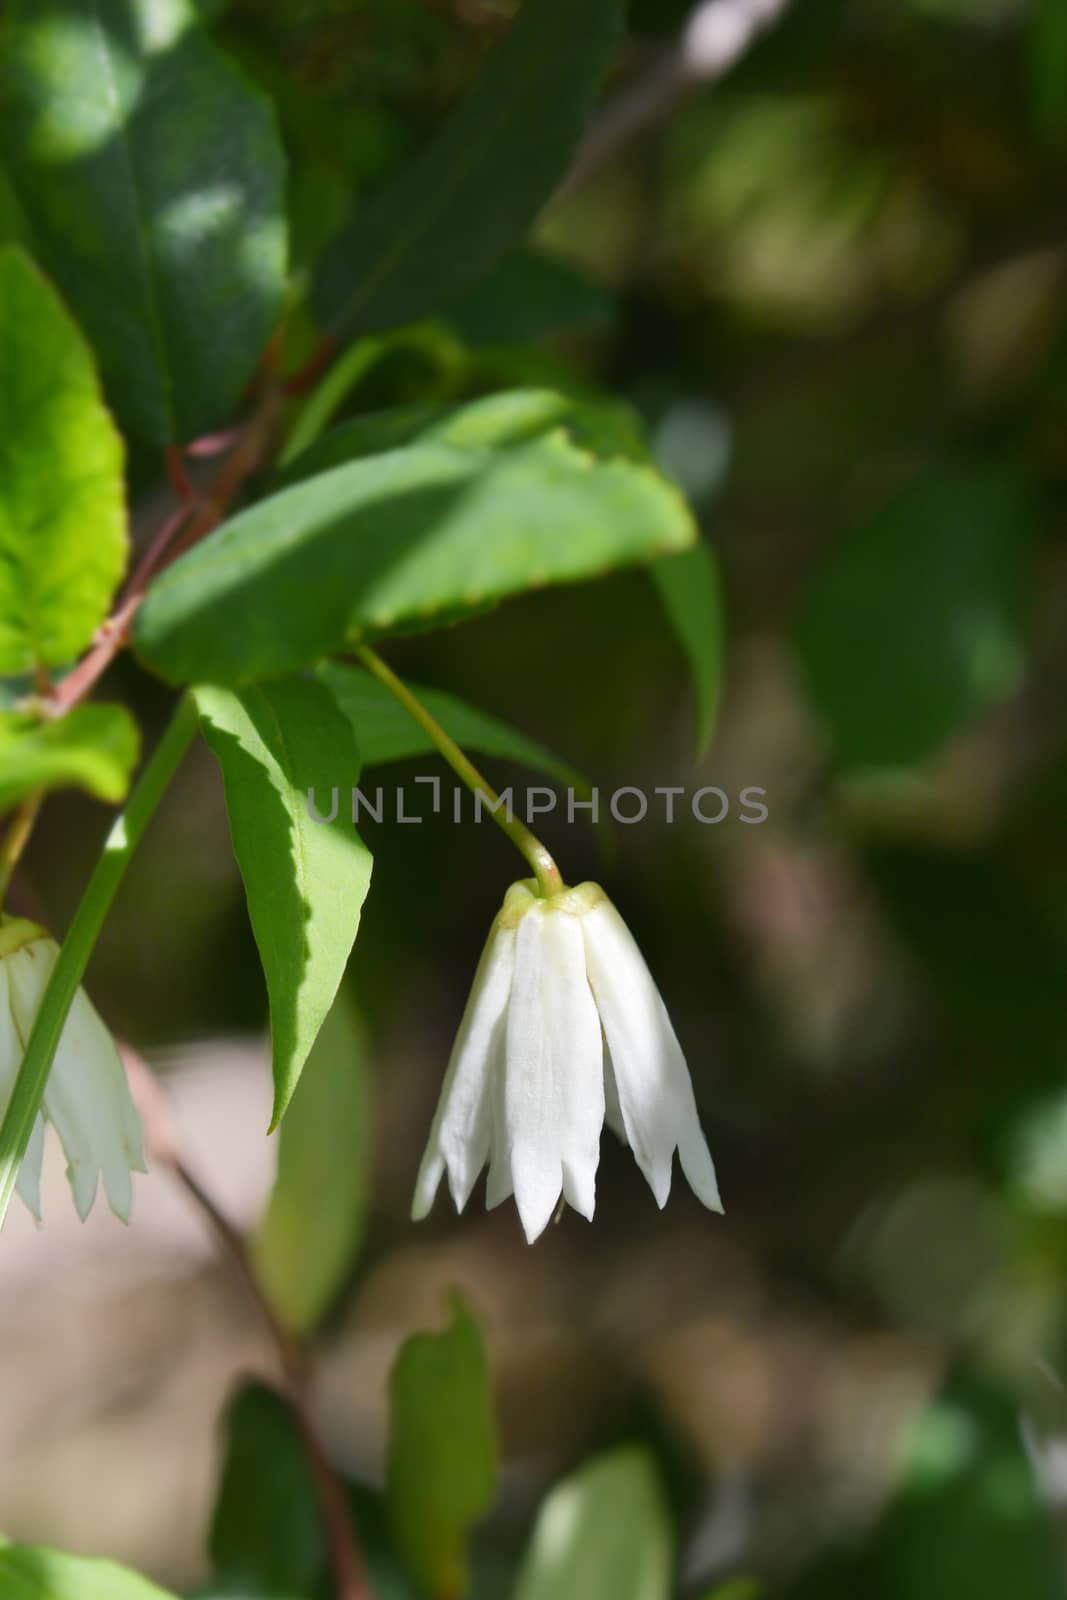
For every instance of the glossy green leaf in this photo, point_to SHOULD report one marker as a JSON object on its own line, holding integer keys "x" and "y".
{"x": 474, "y": 190}
{"x": 602, "y": 1534}
{"x": 315, "y": 1218}
{"x": 152, "y": 174}
{"x": 267, "y": 1536}
{"x": 688, "y": 585}
{"x": 62, "y": 497}
{"x": 441, "y": 1461}
{"x": 918, "y": 623}
{"x": 29, "y": 1572}
{"x": 396, "y": 542}
{"x": 385, "y": 732}
{"x": 305, "y": 880}
{"x": 93, "y": 747}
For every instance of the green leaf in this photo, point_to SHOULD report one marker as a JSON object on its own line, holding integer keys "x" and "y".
{"x": 602, "y": 1534}
{"x": 14, "y": 229}
{"x": 474, "y": 190}
{"x": 688, "y": 586}
{"x": 29, "y": 1572}
{"x": 315, "y": 1219}
{"x": 385, "y": 732}
{"x": 516, "y": 416}
{"x": 62, "y": 497}
{"x": 155, "y": 192}
{"x": 736, "y": 1589}
{"x": 397, "y": 542}
{"x": 917, "y": 625}
{"x": 430, "y": 342}
{"x": 966, "y": 1522}
{"x": 441, "y": 1461}
{"x": 305, "y": 881}
{"x": 93, "y": 747}
{"x": 267, "y": 1535}
{"x": 526, "y": 297}
{"x": 1048, "y": 69}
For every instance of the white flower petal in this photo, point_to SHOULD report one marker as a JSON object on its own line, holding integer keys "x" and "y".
{"x": 86, "y": 1098}
{"x": 28, "y": 1180}
{"x": 499, "y": 1186}
{"x": 554, "y": 1087}
{"x": 459, "y": 1138}
{"x": 612, "y": 1109}
{"x": 655, "y": 1093}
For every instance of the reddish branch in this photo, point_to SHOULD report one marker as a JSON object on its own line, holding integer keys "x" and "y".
{"x": 196, "y": 516}
{"x": 162, "y": 1146}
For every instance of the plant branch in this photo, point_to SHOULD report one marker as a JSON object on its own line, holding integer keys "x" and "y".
{"x": 77, "y": 947}
{"x": 549, "y": 878}
{"x": 192, "y": 520}
{"x": 162, "y": 1144}
{"x": 713, "y": 38}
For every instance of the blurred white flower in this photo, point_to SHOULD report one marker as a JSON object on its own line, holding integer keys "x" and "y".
{"x": 87, "y": 1099}
{"x": 564, "y": 1028}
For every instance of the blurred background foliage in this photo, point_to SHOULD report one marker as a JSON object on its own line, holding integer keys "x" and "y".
{"x": 833, "y": 284}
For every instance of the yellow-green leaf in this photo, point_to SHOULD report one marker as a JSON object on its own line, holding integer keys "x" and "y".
{"x": 62, "y": 498}
{"x": 93, "y": 747}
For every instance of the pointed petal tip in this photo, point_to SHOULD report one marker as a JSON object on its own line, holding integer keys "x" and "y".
{"x": 536, "y": 1205}
{"x": 83, "y": 1187}
{"x": 426, "y": 1185}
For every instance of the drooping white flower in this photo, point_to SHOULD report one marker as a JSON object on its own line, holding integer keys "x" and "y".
{"x": 564, "y": 1028}
{"x": 86, "y": 1099}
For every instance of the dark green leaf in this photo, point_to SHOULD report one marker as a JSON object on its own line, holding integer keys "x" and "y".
{"x": 385, "y": 732}
{"x": 62, "y": 497}
{"x": 317, "y": 1209}
{"x": 93, "y": 747}
{"x": 1048, "y": 68}
{"x": 266, "y": 1532}
{"x": 400, "y": 541}
{"x": 917, "y": 624}
{"x": 441, "y": 1464}
{"x": 14, "y": 228}
{"x": 28, "y": 1572}
{"x": 526, "y": 297}
{"x": 152, "y": 174}
{"x": 430, "y": 342}
{"x": 602, "y": 1534}
{"x": 305, "y": 880}
{"x": 688, "y": 585}
{"x": 966, "y": 1522}
{"x": 472, "y": 193}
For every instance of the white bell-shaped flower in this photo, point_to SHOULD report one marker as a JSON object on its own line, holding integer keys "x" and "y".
{"x": 86, "y": 1099}
{"x": 564, "y": 1028}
